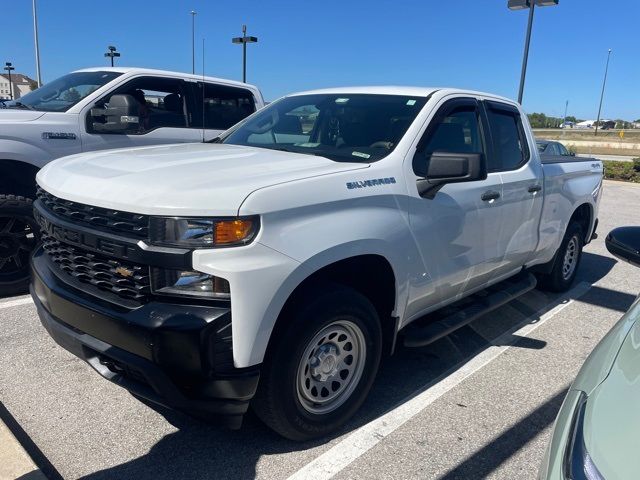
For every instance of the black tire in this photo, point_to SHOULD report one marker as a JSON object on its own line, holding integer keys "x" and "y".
{"x": 279, "y": 402}
{"x": 18, "y": 237}
{"x": 559, "y": 280}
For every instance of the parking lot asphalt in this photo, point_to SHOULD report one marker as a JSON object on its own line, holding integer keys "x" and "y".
{"x": 479, "y": 403}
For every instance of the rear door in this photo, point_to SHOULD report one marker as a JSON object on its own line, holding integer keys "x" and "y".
{"x": 219, "y": 107}
{"x": 514, "y": 160}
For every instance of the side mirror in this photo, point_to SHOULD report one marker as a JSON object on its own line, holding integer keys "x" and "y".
{"x": 573, "y": 154}
{"x": 445, "y": 167}
{"x": 121, "y": 114}
{"x": 624, "y": 243}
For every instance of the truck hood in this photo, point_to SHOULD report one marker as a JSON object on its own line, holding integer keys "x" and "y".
{"x": 186, "y": 179}
{"x": 12, "y": 115}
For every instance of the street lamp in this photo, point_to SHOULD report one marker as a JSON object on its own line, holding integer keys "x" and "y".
{"x": 35, "y": 39}
{"x": 8, "y": 66}
{"x": 604, "y": 84}
{"x": 521, "y": 5}
{"x": 244, "y": 40}
{"x": 111, "y": 53}
{"x": 193, "y": 41}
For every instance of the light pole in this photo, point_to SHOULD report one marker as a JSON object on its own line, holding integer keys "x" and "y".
{"x": 604, "y": 84}
{"x": 35, "y": 39}
{"x": 244, "y": 40}
{"x": 111, "y": 53}
{"x": 193, "y": 41}
{"x": 8, "y": 66}
{"x": 564, "y": 119}
{"x": 521, "y": 5}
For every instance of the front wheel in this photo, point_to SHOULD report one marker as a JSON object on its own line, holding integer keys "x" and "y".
{"x": 567, "y": 260}
{"x": 18, "y": 237}
{"x": 321, "y": 366}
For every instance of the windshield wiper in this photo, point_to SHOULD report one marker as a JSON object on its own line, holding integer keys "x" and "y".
{"x": 215, "y": 140}
{"x": 21, "y": 105}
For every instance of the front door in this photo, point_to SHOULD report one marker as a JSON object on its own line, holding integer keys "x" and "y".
{"x": 165, "y": 115}
{"x": 455, "y": 230}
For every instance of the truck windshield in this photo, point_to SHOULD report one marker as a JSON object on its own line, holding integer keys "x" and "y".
{"x": 62, "y": 94}
{"x": 342, "y": 127}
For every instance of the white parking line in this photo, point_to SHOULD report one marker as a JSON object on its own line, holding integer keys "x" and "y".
{"x": 366, "y": 437}
{"x": 15, "y": 303}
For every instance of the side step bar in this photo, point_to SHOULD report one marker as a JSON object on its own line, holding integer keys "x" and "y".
{"x": 425, "y": 331}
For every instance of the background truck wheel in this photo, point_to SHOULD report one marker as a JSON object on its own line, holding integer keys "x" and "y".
{"x": 18, "y": 237}
{"x": 566, "y": 261}
{"x": 321, "y": 366}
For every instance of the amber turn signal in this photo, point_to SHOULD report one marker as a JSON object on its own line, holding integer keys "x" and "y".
{"x": 232, "y": 231}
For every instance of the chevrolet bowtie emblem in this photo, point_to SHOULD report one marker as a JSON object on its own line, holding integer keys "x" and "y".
{"x": 125, "y": 272}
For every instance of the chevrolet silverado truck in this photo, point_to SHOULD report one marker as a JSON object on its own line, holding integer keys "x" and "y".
{"x": 274, "y": 266}
{"x": 97, "y": 109}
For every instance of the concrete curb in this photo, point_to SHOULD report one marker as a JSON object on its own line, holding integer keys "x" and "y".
{"x": 15, "y": 463}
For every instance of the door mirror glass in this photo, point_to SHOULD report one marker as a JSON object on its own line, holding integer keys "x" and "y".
{"x": 121, "y": 114}
{"x": 624, "y": 243}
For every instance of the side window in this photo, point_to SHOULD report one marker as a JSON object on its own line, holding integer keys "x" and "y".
{"x": 161, "y": 103}
{"x": 552, "y": 149}
{"x": 563, "y": 151}
{"x": 510, "y": 150}
{"x": 223, "y": 106}
{"x": 457, "y": 132}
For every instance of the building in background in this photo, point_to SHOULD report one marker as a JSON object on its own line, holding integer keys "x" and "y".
{"x": 21, "y": 85}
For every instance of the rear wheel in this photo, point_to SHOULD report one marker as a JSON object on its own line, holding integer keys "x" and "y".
{"x": 18, "y": 237}
{"x": 321, "y": 365}
{"x": 566, "y": 261}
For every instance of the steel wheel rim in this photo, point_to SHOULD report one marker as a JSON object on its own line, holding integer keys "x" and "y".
{"x": 331, "y": 367}
{"x": 17, "y": 240}
{"x": 570, "y": 258}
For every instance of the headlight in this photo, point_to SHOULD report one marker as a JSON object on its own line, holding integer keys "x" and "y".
{"x": 188, "y": 283}
{"x": 203, "y": 232}
{"x": 578, "y": 463}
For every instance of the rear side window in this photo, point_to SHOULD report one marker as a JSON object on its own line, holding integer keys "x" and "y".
{"x": 223, "y": 106}
{"x": 510, "y": 150}
{"x": 563, "y": 151}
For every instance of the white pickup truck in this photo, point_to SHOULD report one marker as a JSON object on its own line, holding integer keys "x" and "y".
{"x": 278, "y": 263}
{"x": 97, "y": 109}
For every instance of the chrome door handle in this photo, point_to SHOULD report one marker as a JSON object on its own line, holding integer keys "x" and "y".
{"x": 534, "y": 188}
{"x": 490, "y": 195}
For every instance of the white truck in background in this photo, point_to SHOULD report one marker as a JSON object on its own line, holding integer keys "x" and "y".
{"x": 97, "y": 109}
{"x": 275, "y": 265}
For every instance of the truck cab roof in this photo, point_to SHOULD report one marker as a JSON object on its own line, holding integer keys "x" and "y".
{"x": 403, "y": 90}
{"x": 151, "y": 71}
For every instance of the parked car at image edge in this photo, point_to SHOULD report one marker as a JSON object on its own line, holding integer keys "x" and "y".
{"x": 549, "y": 148}
{"x": 596, "y": 433}
{"x": 80, "y": 112}
{"x": 277, "y": 264}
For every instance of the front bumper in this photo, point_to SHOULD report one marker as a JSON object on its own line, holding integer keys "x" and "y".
{"x": 175, "y": 355}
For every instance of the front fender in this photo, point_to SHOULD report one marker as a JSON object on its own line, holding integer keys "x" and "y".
{"x": 22, "y": 151}
{"x": 263, "y": 279}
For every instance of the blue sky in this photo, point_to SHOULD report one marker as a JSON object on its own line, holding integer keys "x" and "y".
{"x": 463, "y": 43}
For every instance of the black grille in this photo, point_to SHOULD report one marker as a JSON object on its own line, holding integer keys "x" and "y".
{"x": 113, "y": 221}
{"x": 125, "y": 279}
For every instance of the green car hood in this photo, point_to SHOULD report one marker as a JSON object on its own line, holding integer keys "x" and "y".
{"x": 612, "y": 415}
